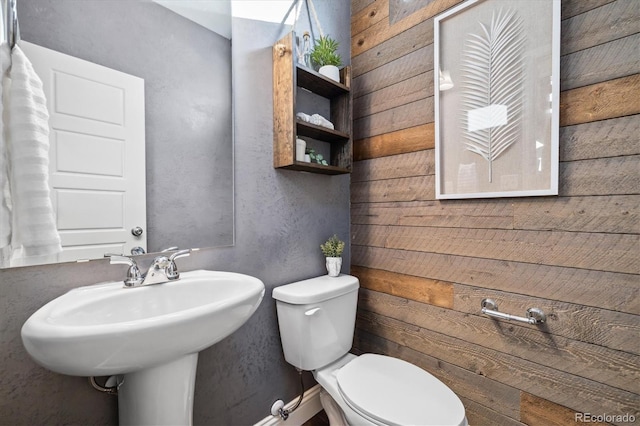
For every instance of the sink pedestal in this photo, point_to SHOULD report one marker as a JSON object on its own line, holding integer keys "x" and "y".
{"x": 160, "y": 395}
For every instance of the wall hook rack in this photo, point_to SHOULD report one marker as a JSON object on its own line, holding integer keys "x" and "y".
{"x": 534, "y": 315}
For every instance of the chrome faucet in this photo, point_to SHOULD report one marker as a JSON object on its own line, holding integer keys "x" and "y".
{"x": 134, "y": 276}
{"x": 162, "y": 269}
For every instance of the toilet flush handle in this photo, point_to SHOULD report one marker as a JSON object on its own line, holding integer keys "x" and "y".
{"x": 311, "y": 311}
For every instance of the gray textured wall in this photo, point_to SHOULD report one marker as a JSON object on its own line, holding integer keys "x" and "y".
{"x": 281, "y": 218}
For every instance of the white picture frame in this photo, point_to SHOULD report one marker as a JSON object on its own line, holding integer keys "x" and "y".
{"x": 497, "y": 99}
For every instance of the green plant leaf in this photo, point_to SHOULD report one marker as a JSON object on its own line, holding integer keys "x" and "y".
{"x": 324, "y": 52}
{"x": 333, "y": 247}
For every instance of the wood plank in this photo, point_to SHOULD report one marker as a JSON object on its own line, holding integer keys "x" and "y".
{"x": 604, "y": 176}
{"x": 573, "y": 321}
{"x": 417, "y": 163}
{"x": 489, "y": 214}
{"x": 575, "y": 7}
{"x": 600, "y": 176}
{"x": 418, "y": 188}
{"x": 607, "y": 176}
{"x": 420, "y": 289}
{"x": 464, "y": 383}
{"x": 399, "y": 142}
{"x": 358, "y": 5}
{"x": 607, "y": 138}
{"x": 402, "y": 117}
{"x": 368, "y": 16}
{"x": 599, "y": 357}
{"x": 616, "y": 214}
{"x": 401, "y": 9}
{"x": 397, "y": 47}
{"x": 618, "y": 58}
{"x": 538, "y": 411}
{"x": 602, "y": 252}
{"x": 399, "y": 94}
{"x": 283, "y": 102}
{"x": 607, "y": 214}
{"x": 382, "y": 31}
{"x": 597, "y": 26}
{"x": 578, "y": 106}
{"x": 398, "y": 70}
{"x": 614, "y": 98}
{"x": 560, "y": 387}
{"x": 478, "y": 414}
{"x": 607, "y": 290}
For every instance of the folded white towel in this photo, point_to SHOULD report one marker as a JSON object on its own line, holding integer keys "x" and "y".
{"x": 34, "y": 227}
{"x": 316, "y": 119}
{"x": 5, "y": 195}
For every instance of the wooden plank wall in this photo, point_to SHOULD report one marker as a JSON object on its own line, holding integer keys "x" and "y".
{"x": 425, "y": 265}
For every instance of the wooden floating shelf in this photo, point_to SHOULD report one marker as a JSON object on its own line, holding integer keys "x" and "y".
{"x": 317, "y": 168}
{"x": 318, "y": 83}
{"x": 321, "y": 133}
{"x": 288, "y": 79}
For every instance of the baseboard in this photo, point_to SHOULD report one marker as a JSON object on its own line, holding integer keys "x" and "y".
{"x": 309, "y": 407}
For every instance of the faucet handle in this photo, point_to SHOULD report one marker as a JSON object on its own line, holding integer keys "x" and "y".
{"x": 172, "y": 269}
{"x": 179, "y": 254}
{"x": 134, "y": 276}
{"x": 118, "y": 259}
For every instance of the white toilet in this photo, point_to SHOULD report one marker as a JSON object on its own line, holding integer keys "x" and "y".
{"x": 317, "y": 320}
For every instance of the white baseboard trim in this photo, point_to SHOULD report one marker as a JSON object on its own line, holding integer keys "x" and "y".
{"x": 309, "y": 407}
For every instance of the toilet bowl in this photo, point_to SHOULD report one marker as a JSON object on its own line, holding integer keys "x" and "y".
{"x": 317, "y": 319}
{"x": 381, "y": 390}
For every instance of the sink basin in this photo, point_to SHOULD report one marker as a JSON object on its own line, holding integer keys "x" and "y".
{"x": 106, "y": 329}
{"x": 144, "y": 332}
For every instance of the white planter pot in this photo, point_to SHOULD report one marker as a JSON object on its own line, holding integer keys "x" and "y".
{"x": 334, "y": 264}
{"x": 330, "y": 71}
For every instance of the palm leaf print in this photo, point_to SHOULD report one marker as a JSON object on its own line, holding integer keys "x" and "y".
{"x": 492, "y": 72}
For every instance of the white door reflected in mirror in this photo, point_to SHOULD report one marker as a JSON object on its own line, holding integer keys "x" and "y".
{"x": 97, "y": 154}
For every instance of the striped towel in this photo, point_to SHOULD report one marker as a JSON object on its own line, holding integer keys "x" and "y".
{"x": 34, "y": 226}
{"x": 5, "y": 195}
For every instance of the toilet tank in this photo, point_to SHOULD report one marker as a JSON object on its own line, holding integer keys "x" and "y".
{"x": 317, "y": 319}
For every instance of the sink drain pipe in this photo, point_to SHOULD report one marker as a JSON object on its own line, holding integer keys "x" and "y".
{"x": 278, "y": 407}
{"x": 111, "y": 385}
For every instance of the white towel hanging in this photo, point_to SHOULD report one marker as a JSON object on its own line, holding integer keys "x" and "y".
{"x": 34, "y": 229}
{"x": 5, "y": 195}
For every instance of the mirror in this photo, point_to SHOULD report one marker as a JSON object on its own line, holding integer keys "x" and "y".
{"x": 187, "y": 95}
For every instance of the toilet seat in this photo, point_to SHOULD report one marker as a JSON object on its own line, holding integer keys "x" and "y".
{"x": 391, "y": 391}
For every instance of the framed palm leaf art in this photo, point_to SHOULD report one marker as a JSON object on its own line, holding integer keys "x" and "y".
{"x": 496, "y": 96}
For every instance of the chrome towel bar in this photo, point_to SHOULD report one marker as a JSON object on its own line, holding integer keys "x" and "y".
{"x": 534, "y": 315}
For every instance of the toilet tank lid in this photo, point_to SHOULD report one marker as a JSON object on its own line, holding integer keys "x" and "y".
{"x": 316, "y": 289}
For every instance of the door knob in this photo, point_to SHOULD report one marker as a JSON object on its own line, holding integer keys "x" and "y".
{"x": 137, "y": 231}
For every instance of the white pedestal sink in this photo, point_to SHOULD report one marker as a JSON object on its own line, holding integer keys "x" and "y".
{"x": 150, "y": 334}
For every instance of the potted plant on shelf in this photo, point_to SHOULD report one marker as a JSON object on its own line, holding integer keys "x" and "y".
{"x": 325, "y": 57}
{"x": 316, "y": 158}
{"x": 332, "y": 249}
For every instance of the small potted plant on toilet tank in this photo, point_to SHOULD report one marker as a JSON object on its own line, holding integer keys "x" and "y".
{"x": 332, "y": 249}
{"x": 324, "y": 56}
